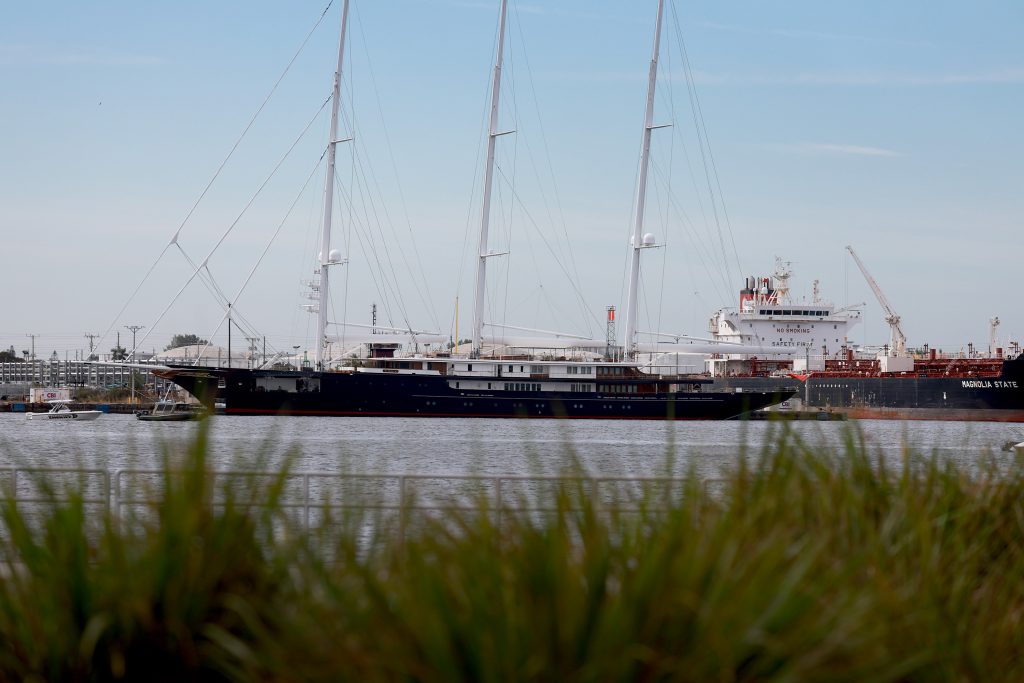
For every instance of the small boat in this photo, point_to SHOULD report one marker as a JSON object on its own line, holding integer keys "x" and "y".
{"x": 61, "y": 411}
{"x": 170, "y": 411}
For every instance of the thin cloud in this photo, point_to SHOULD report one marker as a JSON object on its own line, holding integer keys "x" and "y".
{"x": 837, "y": 149}
{"x": 813, "y": 35}
{"x": 1004, "y": 76}
{"x": 541, "y": 10}
{"x": 32, "y": 55}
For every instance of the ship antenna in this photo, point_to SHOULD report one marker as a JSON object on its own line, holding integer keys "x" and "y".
{"x": 641, "y": 195}
{"x": 325, "y": 257}
{"x": 493, "y": 133}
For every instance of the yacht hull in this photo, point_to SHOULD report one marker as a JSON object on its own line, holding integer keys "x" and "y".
{"x": 409, "y": 395}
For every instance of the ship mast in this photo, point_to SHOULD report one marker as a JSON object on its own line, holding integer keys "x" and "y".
{"x": 484, "y": 254}
{"x": 325, "y": 257}
{"x": 629, "y": 342}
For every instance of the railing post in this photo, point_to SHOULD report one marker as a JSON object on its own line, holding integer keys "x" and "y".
{"x": 401, "y": 509}
{"x": 500, "y": 502}
{"x": 305, "y": 505}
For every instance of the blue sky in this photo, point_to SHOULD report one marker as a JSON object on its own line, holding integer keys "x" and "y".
{"x": 893, "y": 127}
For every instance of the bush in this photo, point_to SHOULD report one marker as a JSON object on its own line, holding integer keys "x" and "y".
{"x": 798, "y": 565}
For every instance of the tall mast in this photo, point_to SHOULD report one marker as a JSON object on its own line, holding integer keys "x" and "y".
{"x": 481, "y": 268}
{"x": 641, "y": 196}
{"x": 325, "y": 233}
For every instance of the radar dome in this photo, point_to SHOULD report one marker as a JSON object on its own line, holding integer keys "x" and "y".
{"x": 648, "y": 240}
{"x": 333, "y": 256}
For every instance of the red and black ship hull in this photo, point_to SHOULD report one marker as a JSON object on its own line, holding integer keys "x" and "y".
{"x": 995, "y": 398}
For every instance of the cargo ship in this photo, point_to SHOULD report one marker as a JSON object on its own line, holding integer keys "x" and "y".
{"x": 830, "y": 375}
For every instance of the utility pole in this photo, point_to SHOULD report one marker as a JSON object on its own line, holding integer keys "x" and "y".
{"x": 91, "y": 338}
{"x": 33, "y": 344}
{"x": 609, "y": 336}
{"x": 252, "y": 348}
{"x": 134, "y": 329}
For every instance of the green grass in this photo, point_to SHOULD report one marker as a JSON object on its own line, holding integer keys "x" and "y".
{"x": 800, "y": 565}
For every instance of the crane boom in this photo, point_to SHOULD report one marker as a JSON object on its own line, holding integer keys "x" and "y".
{"x": 897, "y": 340}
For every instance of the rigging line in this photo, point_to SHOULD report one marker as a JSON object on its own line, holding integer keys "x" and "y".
{"x": 551, "y": 172}
{"x": 624, "y": 276}
{"x": 368, "y": 251}
{"x": 249, "y": 125}
{"x": 234, "y": 223}
{"x": 373, "y": 274}
{"x": 536, "y": 227}
{"x": 477, "y": 166}
{"x": 277, "y": 232}
{"x": 131, "y": 298}
{"x": 207, "y": 279}
{"x": 245, "y": 131}
{"x": 707, "y": 173}
{"x": 508, "y": 259}
{"x": 210, "y": 282}
{"x": 347, "y": 234}
{"x": 371, "y": 177}
{"x": 371, "y": 222}
{"x": 667, "y": 189}
{"x": 512, "y": 106}
{"x": 702, "y": 251}
{"x": 714, "y": 169}
{"x": 699, "y": 114}
{"x": 401, "y": 192}
{"x": 696, "y": 191}
{"x": 677, "y": 134}
{"x": 389, "y": 278}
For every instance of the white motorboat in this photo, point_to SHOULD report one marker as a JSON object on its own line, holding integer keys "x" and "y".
{"x": 61, "y": 411}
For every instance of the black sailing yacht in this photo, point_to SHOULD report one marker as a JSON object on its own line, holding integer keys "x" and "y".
{"x": 482, "y": 384}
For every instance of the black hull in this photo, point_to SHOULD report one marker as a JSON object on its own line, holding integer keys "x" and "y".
{"x": 996, "y": 399}
{"x": 408, "y": 395}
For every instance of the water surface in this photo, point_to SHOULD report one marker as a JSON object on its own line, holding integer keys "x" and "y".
{"x": 374, "y": 445}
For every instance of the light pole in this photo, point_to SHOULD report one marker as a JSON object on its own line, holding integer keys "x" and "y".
{"x": 134, "y": 329}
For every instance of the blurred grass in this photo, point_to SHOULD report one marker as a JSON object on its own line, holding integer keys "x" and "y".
{"x": 798, "y": 565}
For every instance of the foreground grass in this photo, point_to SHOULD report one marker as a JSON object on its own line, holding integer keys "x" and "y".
{"x": 800, "y": 565}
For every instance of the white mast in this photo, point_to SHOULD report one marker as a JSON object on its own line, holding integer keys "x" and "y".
{"x": 629, "y": 342}
{"x": 325, "y": 233}
{"x": 481, "y": 268}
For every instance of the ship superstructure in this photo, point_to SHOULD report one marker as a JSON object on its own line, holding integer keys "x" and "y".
{"x": 769, "y": 318}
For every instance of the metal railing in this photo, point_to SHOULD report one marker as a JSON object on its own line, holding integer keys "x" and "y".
{"x": 309, "y": 494}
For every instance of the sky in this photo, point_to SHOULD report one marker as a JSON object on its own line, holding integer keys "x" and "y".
{"x": 891, "y": 127}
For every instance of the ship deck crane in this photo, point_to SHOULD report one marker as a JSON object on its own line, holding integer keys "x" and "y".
{"x": 897, "y": 340}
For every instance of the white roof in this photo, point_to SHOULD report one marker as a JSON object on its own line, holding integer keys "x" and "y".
{"x": 193, "y": 351}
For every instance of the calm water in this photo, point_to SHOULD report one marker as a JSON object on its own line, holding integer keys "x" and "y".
{"x": 471, "y": 446}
